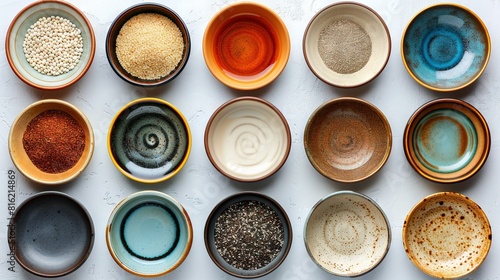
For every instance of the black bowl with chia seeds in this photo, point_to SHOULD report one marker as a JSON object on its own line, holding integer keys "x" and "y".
{"x": 248, "y": 235}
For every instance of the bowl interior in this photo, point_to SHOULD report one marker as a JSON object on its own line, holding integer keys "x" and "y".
{"x": 347, "y": 234}
{"x": 227, "y": 32}
{"x": 149, "y": 234}
{"x": 445, "y": 47}
{"x": 347, "y": 139}
{"x": 54, "y": 234}
{"x": 447, "y": 235}
{"x": 346, "y": 44}
{"x": 243, "y": 199}
{"x": 447, "y": 140}
{"x": 17, "y": 32}
{"x": 20, "y": 157}
{"x": 247, "y": 139}
{"x": 118, "y": 23}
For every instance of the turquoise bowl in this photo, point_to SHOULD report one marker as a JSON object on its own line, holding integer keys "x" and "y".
{"x": 445, "y": 47}
{"x": 149, "y": 234}
{"x": 447, "y": 140}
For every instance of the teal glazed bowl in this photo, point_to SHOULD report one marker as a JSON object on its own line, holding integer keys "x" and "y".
{"x": 447, "y": 140}
{"x": 149, "y": 234}
{"x": 446, "y": 47}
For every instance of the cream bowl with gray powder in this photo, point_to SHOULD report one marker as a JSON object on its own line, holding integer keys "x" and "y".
{"x": 346, "y": 44}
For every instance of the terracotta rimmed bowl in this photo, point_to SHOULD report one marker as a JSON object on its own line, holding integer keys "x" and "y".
{"x": 445, "y": 47}
{"x": 247, "y": 139}
{"x": 347, "y": 139}
{"x": 149, "y": 140}
{"x": 447, "y": 235}
{"x": 237, "y": 202}
{"x": 114, "y": 31}
{"x": 347, "y": 234}
{"x": 52, "y": 234}
{"x": 246, "y": 45}
{"x": 18, "y": 29}
{"x": 357, "y": 44}
{"x": 447, "y": 140}
{"x": 149, "y": 234}
{"x": 21, "y": 159}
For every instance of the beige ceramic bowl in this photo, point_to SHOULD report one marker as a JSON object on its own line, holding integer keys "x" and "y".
{"x": 20, "y": 157}
{"x": 347, "y": 234}
{"x": 447, "y": 235}
{"x": 357, "y": 44}
{"x": 347, "y": 139}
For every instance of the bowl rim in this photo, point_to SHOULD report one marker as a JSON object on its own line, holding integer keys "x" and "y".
{"x": 348, "y": 3}
{"x": 92, "y": 45}
{"x": 348, "y": 193}
{"x": 457, "y": 196}
{"x": 165, "y": 197}
{"x": 188, "y": 136}
{"x": 150, "y": 6}
{"x": 242, "y": 196}
{"x": 466, "y": 10}
{"x": 417, "y": 115}
{"x": 268, "y": 105}
{"x": 368, "y": 105}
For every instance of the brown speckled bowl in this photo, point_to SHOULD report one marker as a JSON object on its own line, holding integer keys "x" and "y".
{"x": 348, "y": 139}
{"x": 447, "y": 235}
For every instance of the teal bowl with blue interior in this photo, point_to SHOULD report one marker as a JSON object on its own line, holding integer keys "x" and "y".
{"x": 149, "y": 234}
{"x": 446, "y": 47}
{"x": 447, "y": 140}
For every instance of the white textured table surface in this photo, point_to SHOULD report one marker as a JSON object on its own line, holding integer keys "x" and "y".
{"x": 297, "y": 93}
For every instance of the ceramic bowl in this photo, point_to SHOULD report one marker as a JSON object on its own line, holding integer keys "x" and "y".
{"x": 149, "y": 234}
{"x": 18, "y": 29}
{"x": 447, "y": 140}
{"x": 149, "y": 140}
{"x": 114, "y": 31}
{"x": 447, "y": 235}
{"x": 247, "y": 139}
{"x": 347, "y": 139}
{"x": 20, "y": 157}
{"x": 246, "y": 45}
{"x": 346, "y": 44}
{"x": 347, "y": 234}
{"x": 52, "y": 234}
{"x": 445, "y": 47}
{"x": 242, "y": 207}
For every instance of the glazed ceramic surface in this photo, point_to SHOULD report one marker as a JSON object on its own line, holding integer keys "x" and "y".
{"x": 347, "y": 234}
{"x": 446, "y": 47}
{"x": 149, "y": 234}
{"x": 447, "y": 140}
{"x": 247, "y": 139}
{"x": 149, "y": 140}
{"x": 54, "y": 234}
{"x": 18, "y": 29}
{"x": 447, "y": 235}
{"x": 347, "y": 139}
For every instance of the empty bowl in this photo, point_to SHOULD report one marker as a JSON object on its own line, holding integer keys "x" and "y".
{"x": 445, "y": 47}
{"x": 346, "y": 44}
{"x": 51, "y": 142}
{"x": 347, "y": 234}
{"x": 248, "y": 235}
{"x": 247, "y": 139}
{"x": 246, "y": 45}
{"x": 152, "y": 49}
{"x": 149, "y": 140}
{"x": 447, "y": 140}
{"x": 16, "y": 36}
{"x": 447, "y": 235}
{"x": 149, "y": 234}
{"x": 347, "y": 139}
{"x": 53, "y": 234}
